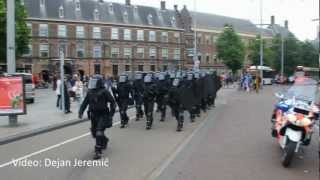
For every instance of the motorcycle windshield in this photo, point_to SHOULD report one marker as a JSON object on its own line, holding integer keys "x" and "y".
{"x": 304, "y": 89}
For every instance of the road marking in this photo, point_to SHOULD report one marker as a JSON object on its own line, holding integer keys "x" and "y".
{"x": 158, "y": 171}
{"x": 51, "y": 147}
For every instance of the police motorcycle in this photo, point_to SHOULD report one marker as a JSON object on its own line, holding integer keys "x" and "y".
{"x": 294, "y": 117}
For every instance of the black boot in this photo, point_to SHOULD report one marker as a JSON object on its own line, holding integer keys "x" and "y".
{"x": 97, "y": 155}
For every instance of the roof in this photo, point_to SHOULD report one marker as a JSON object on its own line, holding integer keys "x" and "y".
{"x": 108, "y": 12}
{"x": 217, "y": 22}
{"x": 137, "y": 15}
{"x": 277, "y": 29}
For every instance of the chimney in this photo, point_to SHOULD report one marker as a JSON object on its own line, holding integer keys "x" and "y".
{"x": 272, "y": 20}
{"x": 128, "y": 2}
{"x": 286, "y": 24}
{"x": 163, "y": 5}
{"x": 175, "y": 7}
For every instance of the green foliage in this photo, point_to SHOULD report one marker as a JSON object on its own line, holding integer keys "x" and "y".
{"x": 22, "y": 31}
{"x": 295, "y": 53}
{"x": 230, "y": 49}
{"x": 254, "y": 52}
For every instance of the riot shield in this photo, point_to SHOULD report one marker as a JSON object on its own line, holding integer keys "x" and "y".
{"x": 187, "y": 96}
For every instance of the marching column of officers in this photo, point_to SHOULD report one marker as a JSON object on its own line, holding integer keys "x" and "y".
{"x": 192, "y": 91}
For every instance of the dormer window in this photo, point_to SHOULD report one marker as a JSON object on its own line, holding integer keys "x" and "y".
{"x": 135, "y": 9}
{"x": 111, "y": 8}
{"x": 96, "y": 14}
{"x": 125, "y": 17}
{"x": 61, "y": 12}
{"x": 173, "y": 21}
{"x": 150, "y": 19}
{"x": 42, "y": 3}
{"x": 77, "y": 5}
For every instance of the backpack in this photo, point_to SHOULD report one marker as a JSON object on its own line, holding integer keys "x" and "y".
{"x": 97, "y": 101}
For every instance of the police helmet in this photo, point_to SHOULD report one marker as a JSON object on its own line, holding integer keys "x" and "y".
{"x": 123, "y": 78}
{"x": 96, "y": 82}
{"x": 190, "y": 76}
{"x": 148, "y": 78}
{"x": 175, "y": 82}
{"x": 138, "y": 76}
{"x": 162, "y": 76}
{"x": 172, "y": 75}
{"x": 196, "y": 75}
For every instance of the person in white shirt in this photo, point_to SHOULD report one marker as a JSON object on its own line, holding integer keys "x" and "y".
{"x": 58, "y": 92}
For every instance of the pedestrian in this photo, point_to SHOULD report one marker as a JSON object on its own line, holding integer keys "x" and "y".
{"x": 175, "y": 103}
{"x": 66, "y": 98}
{"x": 138, "y": 88}
{"x": 99, "y": 113}
{"x": 123, "y": 95}
{"x": 149, "y": 95}
{"x": 58, "y": 92}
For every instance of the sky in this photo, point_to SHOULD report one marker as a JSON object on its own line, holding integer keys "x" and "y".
{"x": 299, "y": 13}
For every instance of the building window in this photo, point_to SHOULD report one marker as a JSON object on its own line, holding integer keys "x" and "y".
{"x": 44, "y": 50}
{"x": 152, "y": 36}
{"x": 208, "y": 58}
{"x": 127, "y": 34}
{"x": 61, "y": 12}
{"x": 165, "y": 68}
{"x": 97, "y": 69}
{"x": 176, "y": 54}
{"x": 140, "y": 67}
{"x": 96, "y": 15}
{"x": 150, "y": 19}
{"x": 164, "y": 36}
{"x": 127, "y": 68}
{"x": 96, "y": 33}
{"x": 125, "y": 17}
{"x": 140, "y": 35}
{"x": 97, "y": 51}
{"x": 29, "y": 26}
{"x": 114, "y": 33}
{"x": 152, "y": 68}
{"x": 43, "y": 30}
{"x": 177, "y": 37}
{"x": 80, "y": 32}
{"x": 62, "y": 30}
{"x": 164, "y": 53}
{"x": 127, "y": 53}
{"x": 115, "y": 52}
{"x": 77, "y": 5}
{"x": 29, "y": 51}
{"x": 152, "y": 52}
{"x": 115, "y": 70}
{"x": 140, "y": 52}
{"x": 63, "y": 48}
{"x": 173, "y": 21}
{"x": 80, "y": 50}
{"x": 111, "y": 8}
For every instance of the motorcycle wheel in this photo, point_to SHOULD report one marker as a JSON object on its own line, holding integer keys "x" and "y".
{"x": 288, "y": 153}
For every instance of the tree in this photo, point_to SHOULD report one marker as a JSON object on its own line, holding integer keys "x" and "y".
{"x": 230, "y": 49}
{"x": 22, "y": 31}
{"x": 254, "y": 52}
{"x": 308, "y": 54}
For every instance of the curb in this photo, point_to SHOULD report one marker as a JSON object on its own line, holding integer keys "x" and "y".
{"x": 38, "y": 131}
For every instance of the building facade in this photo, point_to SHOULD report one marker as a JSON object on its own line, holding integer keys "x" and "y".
{"x": 98, "y": 36}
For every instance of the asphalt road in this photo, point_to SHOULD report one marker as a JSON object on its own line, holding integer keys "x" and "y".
{"x": 229, "y": 142}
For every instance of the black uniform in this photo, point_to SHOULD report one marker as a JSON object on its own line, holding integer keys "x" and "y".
{"x": 122, "y": 95}
{"x": 175, "y": 104}
{"x": 138, "y": 87}
{"x": 99, "y": 113}
{"x": 162, "y": 96}
{"x": 149, "y": 95}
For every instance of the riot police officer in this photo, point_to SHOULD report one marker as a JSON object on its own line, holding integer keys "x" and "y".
{"x": 99, "y": 113}
{"x": 138, "y": 87}
{"x": 190, "y": 84}
{"x": 162, "y": 95}
{"x": 123, "y": 95}
{"x": 149, "y": 95}
{"x": 197, "y": 93}
{"x": 175, "y": 103}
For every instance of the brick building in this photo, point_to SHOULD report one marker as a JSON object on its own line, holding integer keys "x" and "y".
{"x": 98, "y": 36}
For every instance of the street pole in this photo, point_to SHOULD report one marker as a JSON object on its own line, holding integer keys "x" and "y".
{"x": 11, "y": 55}
{"x": 261, "y": 41}
{"x": 62, "y": 79}
{"x": 195, "y": 54}
{"x": 282, "y": 55}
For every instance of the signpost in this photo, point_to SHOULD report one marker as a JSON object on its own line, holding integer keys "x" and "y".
{"x": 12, "y": 98}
